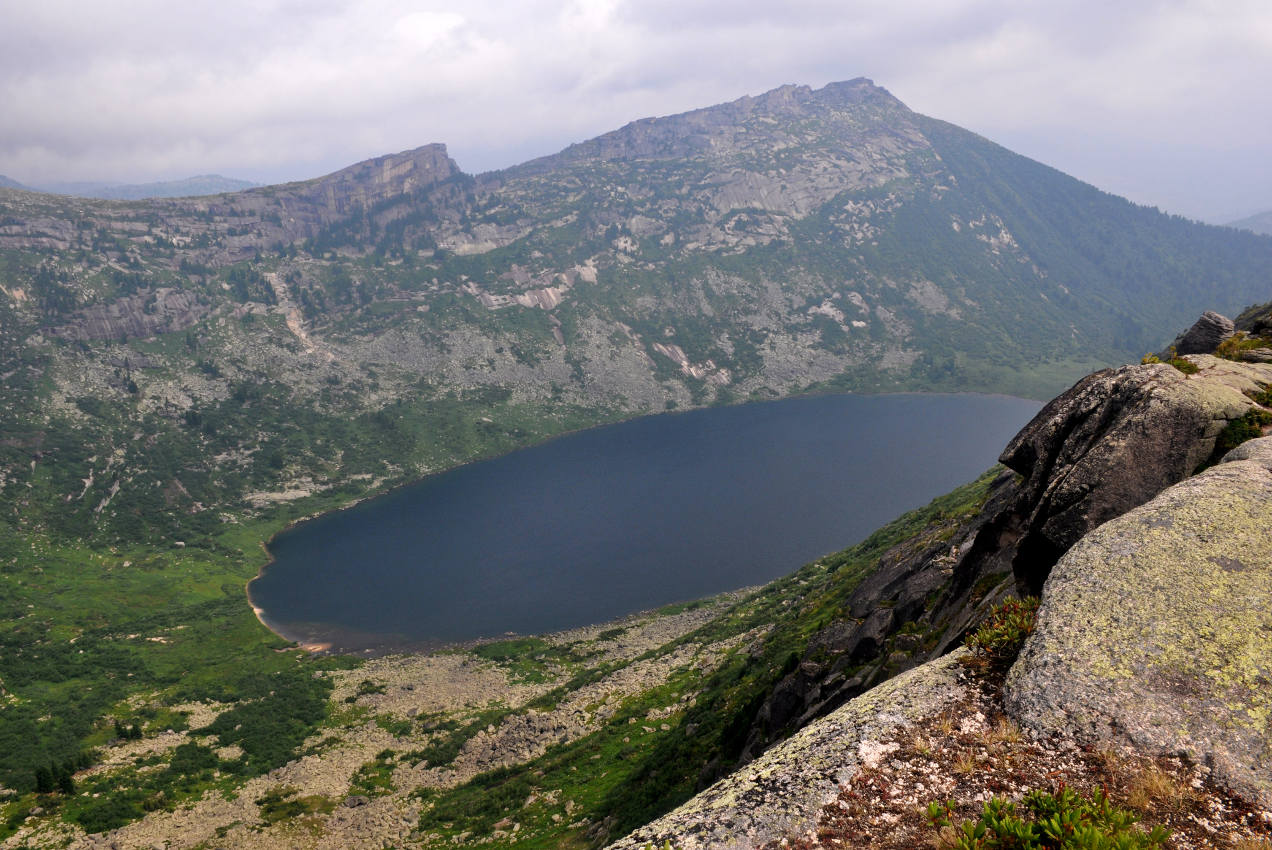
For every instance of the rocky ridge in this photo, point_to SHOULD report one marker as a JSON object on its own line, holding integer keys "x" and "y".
{"x": 750, "y": 250}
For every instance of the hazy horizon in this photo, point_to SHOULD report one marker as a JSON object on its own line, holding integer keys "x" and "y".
{"x": 1155, "y": 101}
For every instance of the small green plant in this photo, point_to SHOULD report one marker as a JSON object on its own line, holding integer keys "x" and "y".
{"x": 1183, "y": 365}
{"x": 281, "y": 803}
{"x": 375, "y": 778}
{"x": 1246, "y": 427}
{"x": 1186, "y": 366}
{"x": 1263, "y": 396}
{"x": 1002, "y": 634}
{"x": 1061, "y": 820}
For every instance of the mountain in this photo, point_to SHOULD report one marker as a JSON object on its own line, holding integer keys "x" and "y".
{"x": 799, "y": 240}
{"x": 10, "y": 183}
{"x": 204, "y": 184}
{"x": 1257, "y": 223}
{"x": 182, "y": 378}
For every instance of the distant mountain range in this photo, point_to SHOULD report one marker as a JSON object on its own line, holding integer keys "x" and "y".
{"x": 204, "y": 184}
{"x": 799, "y": 240}
{"x": 1257, "y": 223}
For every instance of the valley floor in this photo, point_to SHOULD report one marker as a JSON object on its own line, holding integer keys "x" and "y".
{"x": 368, "y": 772}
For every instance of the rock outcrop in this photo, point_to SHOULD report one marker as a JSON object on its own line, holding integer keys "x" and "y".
{"x": 1205, "y": 336}
{"x": 138, "y": 316}
{"x": 1111, "y": 443}
{"x": 783, "y": 791}
{"x": 1155, "y": 629}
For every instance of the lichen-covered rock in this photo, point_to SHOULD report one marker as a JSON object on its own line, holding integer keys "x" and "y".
{"x": 1205, "y": 335}
{"x": 1111, "y": 443}
{"x": 782, "y": 792}
{"x": 1156, "y": 628}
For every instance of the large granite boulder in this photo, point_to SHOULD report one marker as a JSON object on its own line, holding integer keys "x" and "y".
{"x": 1113, "y": 441}
{"x": 1156, "y": 628}
{"x": 1205, "y": 335}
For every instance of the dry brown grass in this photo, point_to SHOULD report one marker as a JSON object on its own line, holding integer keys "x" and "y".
{"x": 966, "y": 764}
{"x": 1252, "y": 844}
{"x": 945, "y": 838}
{"x": 1004, "y": 731}
{"x": 1155, "y": 788}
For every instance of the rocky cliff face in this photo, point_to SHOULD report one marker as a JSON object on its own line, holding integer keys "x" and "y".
{"x": 1111, "y": 443}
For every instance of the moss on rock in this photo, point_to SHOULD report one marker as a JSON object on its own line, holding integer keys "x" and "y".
{"x": 1156, "y": 628}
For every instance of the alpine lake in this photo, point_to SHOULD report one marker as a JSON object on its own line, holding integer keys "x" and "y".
{"x": 602, "y": 523}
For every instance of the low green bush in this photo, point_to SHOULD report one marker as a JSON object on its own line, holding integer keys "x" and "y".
{"x": 1060, "y": 820}
{"x": 1002, "y": 634}
{"x": 1246, "y": 427}
{"x": 1234, "y": 346}
{"x": 1183, "y": 365}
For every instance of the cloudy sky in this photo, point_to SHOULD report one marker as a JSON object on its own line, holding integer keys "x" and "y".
{"x": 1164, "y": 101}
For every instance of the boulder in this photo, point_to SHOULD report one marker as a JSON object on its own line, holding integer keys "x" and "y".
{"x": 1156, "y": 628}
{"x": 783, "y": 791}
{"x": 1113, "y": 441}
{"x": 1205, "y": 335}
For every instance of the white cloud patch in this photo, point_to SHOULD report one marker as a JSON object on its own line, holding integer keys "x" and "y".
{"x": 1163, "y": 100}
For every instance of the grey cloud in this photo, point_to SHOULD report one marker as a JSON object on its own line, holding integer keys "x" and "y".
{"x": 140, "y": 90}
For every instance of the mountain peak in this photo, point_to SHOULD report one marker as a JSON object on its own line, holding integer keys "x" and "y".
{"x": 387, "y": 175}
{"x": 787, "y": 116}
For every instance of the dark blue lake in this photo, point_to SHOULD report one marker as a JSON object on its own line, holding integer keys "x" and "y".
{"x": 624, "y": 518}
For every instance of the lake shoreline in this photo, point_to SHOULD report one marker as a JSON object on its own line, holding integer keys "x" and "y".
{"x": 332, "y": 637}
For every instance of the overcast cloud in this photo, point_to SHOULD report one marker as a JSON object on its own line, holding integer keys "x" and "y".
{"x": 1164, "y": 101}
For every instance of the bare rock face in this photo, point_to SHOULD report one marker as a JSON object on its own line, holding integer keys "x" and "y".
{"x": 136, "y": 316}
{"x": 1111, "y": 443}
{"x": 1155, "y": 629}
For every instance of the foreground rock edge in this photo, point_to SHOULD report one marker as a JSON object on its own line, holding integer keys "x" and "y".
{"x": 783, "y": 791}
{"x": 1155, "y": 630}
